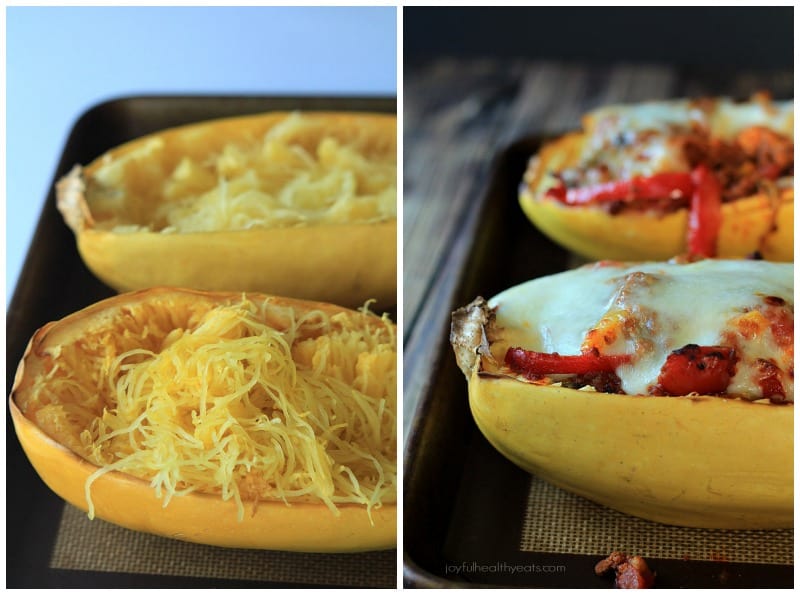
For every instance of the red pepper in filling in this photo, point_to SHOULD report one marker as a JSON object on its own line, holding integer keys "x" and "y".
{"x": 705, "y": 213}
{"x": 535, "y": 363}
{"x": 701, "y": 187}
{"x": 657, "y": 186}
{"x": 690, "y": 369}
{"x": 695, "y": 369}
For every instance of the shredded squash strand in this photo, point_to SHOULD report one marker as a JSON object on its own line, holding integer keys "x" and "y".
{"x": 299, "y": 173}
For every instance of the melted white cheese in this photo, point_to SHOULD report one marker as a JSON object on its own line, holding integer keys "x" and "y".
{"x": 667, "y": 306}
{"x": 611, "y": 120}
{"x": 731, "y": 118}
{"x": 637, "y": 139}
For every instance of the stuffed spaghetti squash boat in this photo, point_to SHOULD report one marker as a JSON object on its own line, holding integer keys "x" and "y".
{"x": 237, "y": 420}
{"x": 662, "y": 390}
{"x": 708, "y": 177}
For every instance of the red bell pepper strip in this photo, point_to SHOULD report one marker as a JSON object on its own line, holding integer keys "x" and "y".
{"x": 657, "y": 186}
{"x": 701, "y": 187}
{"x": 535, "y": 363}
{"x": 695, "y": 369}
{"x": 705, "y": 213}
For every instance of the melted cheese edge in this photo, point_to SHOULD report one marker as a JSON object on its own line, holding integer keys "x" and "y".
{"x": 666, "y": 306}
{"x": 723, "y": 117}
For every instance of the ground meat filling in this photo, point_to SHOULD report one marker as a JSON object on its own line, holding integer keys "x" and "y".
{"x": 741, "y": 165}
{"x": 602, "y": 382}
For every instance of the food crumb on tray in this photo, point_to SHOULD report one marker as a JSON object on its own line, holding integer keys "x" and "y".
{"x": 631, "y": 572}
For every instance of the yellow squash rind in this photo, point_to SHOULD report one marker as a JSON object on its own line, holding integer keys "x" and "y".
{"x": 343, "y": 264}
{"x": 689, "y": 461}
{"x": 201, "y": 518}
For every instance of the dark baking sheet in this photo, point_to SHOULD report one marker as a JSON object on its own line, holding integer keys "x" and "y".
{"x": 464, "y": 503}
{"x": 54, "y": 282}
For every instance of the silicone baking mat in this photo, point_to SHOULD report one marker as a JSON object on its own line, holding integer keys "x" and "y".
{"x": 557, "y": 521}
{"x": 95, "y": 545}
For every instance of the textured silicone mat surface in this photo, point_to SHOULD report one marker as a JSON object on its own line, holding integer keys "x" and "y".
{"x": 96, "y": 545}
{"x": 559, "y": 522}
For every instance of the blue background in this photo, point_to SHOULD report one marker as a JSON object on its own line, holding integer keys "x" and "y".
{"x": 60, "y": 61}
